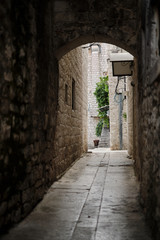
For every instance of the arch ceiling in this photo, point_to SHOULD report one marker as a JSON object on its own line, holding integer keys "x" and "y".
{"x": 82, "y": 21}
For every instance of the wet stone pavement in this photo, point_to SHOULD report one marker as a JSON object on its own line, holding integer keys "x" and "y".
{"x": 97, "y": 199}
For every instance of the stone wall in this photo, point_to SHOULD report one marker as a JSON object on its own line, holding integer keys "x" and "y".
{"x": 129, "y": 111}
{"x": 89, "y": 21}
{"x": 114, "y": 116}
{"x": 93, "y": 78}
{"x": 33, "y": 32}
{"x": 97, "y": 67}
{"x": 148, "y": 86}
{"x": 32, "y": 154}
{"x": 28, "y": 103}
{"x": 71, "y": 130}
{"x": 114, "y": 104}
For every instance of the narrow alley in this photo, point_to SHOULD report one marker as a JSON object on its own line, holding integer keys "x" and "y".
{"x": 96, "y": 199}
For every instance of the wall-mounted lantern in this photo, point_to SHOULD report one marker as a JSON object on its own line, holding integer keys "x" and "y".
{"x": 122, "y": 64}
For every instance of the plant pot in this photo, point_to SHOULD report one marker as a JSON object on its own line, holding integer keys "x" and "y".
{"x": 96, "y": 142}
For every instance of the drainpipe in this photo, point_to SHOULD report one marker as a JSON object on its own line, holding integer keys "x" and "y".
{"x": 120, "y": 120}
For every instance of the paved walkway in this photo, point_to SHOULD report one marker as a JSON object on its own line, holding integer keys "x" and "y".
{"x": 97, "y": 199}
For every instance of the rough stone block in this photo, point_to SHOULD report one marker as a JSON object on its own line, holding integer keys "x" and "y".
{"x": 8, "y": 76}
{"x": 3, "y": 208}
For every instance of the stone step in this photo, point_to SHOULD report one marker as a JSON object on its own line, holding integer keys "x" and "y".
{"x": 105, "y": 138}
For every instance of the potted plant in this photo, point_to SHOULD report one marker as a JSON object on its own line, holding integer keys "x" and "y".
{"x": 96, "y": 142}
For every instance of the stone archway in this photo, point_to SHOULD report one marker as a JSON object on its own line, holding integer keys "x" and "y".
{"x": 34, "y": 34}
{"x": 61, "y": 51}
{"x": 94, "y": 21}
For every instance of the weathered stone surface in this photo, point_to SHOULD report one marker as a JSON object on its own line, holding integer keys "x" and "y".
{"x": 96, "y": 21}
{"x": 32, "y": 33}
{"x": 70, "y": 136}
{"x": 100, "y": 66}
{"x": 96, "y": 199}
{"x": 3, "y": 208}
{"x": 23, "y": 139}
{"x": 147, "y": 92}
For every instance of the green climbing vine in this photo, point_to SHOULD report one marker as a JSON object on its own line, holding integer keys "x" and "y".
{"x": 125, "y": 115}
{"x": 102, "y": 97}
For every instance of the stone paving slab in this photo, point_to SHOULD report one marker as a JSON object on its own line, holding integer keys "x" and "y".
{"x": 126, "y": 231}
{"x": 97, "y": 199}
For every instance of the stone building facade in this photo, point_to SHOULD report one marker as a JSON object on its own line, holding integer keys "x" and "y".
{"x": 118, "y": 106}
{"x": 71, "y": 130}
{"x": 34, "y": 35}
{"x": 100, "y": 66}
{"x": 97, "y": 65}
{"x": 43, "y": 123}
{"x": 147, "y": 90}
